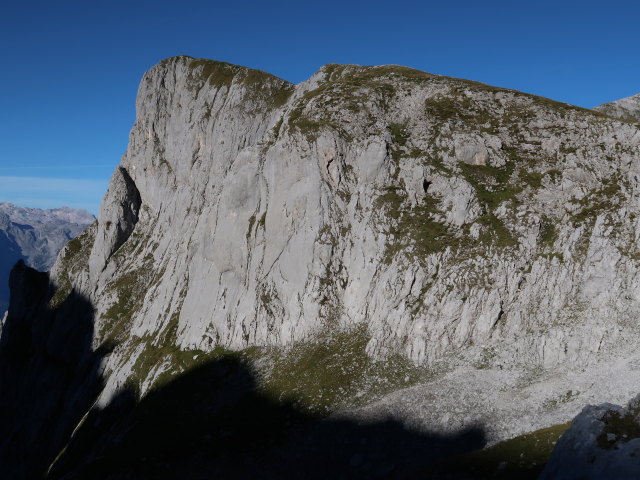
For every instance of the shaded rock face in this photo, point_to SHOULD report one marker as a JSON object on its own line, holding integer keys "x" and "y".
{"x": 210, "y": 422}
{"x": 625, "y": 108}
{"x": 603, "y": 442}
{"x": 213, "y": 422}
{"x": 483, "y": 236}
{"x": 35, "y": 236}
{"x": 49, "y": 373}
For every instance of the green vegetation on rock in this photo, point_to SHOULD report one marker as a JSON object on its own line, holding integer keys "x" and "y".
{"x": 412, "y": 228}
{"x": 167, "y": 361}
{"x": 522, "y": 457}
{"x": 319, "y": 375}
{"x": 331, "y": 370}
{"x": 73, "y": 259}
{"x": 599, "y": 201}
{"x": 259, "y": 85}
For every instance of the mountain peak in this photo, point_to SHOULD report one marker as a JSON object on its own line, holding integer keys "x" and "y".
{"x": 626, "y": 108}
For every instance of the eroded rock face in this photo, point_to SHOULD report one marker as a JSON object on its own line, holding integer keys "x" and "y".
{"x": 464, "y": 226}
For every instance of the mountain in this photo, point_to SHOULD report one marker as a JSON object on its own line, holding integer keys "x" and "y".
{"x": 378, "y": 264}
{"x": 626, "y": 108}
{"x": 35, "y": 236}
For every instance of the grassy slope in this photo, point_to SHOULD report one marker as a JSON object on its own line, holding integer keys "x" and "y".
{"x": 522, "y": 457}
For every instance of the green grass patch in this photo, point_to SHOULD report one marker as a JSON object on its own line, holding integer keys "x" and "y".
{"x": 318, "y": 375}
{"x": 332, "y": 371}
{"x": 493, "y": 186}
{"x": 129, "y": 289}
{"x": 73, "y": 260}
{"x": 523, "y": 457}
{"x": 177, "y": 361}
{"x": 598, "y": 202}
{"x": 412, "y": 229}
{"x": 260, "y": 86}
{"x": 618, "y": 429}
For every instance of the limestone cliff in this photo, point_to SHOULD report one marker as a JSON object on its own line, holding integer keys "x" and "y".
{"x": 478, "y": 243}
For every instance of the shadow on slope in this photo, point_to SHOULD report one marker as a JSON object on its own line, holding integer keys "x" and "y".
{"x": 49, "y": 374}
{"x": 210, "y": 422}
{"x": 213, "y": 422}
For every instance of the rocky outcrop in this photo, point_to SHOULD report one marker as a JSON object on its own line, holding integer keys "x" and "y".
{"x": 35, "y": 236}
{"x": 603, "y": 442}
{"x": 625, "y": 108}
{"x": 476, "y": 242}
{"x": 119, "y": 212}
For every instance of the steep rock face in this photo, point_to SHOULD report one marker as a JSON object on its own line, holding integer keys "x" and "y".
{"x": 119, "y": 215}
{"x": 35, "y": 236}
{"x": 626, "y": 108}
{"x": 465, "y": 228}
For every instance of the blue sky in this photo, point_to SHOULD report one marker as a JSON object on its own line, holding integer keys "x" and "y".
{"x": 70, "y": 69}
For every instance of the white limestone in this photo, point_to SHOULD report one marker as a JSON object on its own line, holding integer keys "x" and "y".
{"x": 626, "y": 108}
{"x": 260, "y": 222}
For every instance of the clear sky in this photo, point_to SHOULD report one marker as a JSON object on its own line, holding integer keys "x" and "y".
{"x": 70, "y": 69}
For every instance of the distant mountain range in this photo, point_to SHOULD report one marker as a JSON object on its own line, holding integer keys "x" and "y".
{"x": 35, "y": 236}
